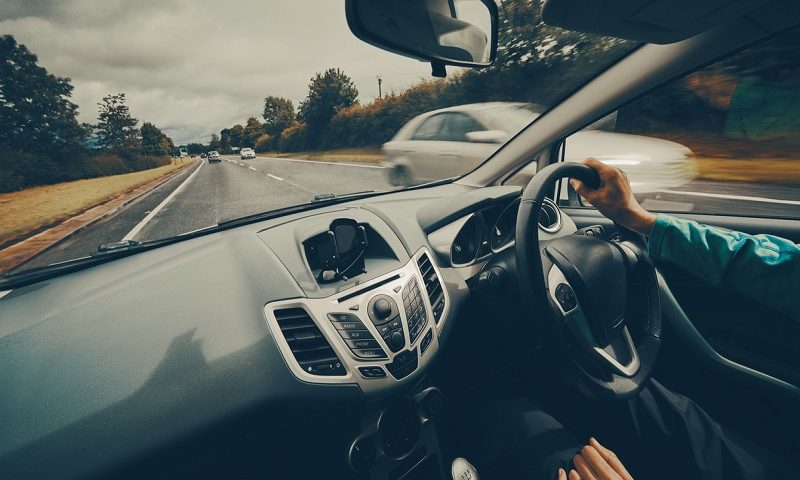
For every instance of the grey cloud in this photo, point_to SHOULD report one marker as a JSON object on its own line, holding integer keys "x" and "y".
{"x": 192, "y": 67}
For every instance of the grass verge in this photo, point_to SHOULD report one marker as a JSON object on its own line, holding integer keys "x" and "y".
{"x": 34, "y": 208}
{"x": 762, "y": 170}
{"x": 350, "y": 155}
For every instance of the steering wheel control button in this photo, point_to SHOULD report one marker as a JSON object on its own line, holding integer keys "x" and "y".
{"x": 403, "y": 364}
{"x": 382, "y": 309}
{"x": 372, "y": 372}
{"x": 415, "y": 309}
{"x": 566, "y": 297}
{"x": 426, "y": 342}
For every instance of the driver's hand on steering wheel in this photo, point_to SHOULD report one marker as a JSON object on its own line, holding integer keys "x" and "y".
{"x": 614, "y": 198}
{"x": 595, "y": 462}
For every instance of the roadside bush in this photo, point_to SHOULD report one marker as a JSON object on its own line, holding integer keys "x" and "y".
{"x": 263, "y": 143}
{"x": 23, "y": 170}
{"x": 294, "y": 138}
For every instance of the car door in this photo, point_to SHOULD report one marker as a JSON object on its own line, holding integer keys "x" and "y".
{"x": 442, "y": 150}
{"x": 740, "y": 118}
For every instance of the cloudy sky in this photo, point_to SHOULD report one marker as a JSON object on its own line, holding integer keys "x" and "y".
{"x": 194, "y": 67}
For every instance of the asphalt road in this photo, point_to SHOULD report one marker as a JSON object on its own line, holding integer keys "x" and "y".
{"x": 210, "y": 193}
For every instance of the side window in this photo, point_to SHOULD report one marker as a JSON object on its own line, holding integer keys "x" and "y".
{"x": 457, "y": 127}
{"x": 430, "y": 128}
{"x": 721, "y": 140}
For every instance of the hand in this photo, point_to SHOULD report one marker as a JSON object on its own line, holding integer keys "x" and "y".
{"x": 595, "y": 462}
{"x": 614, "y": 198}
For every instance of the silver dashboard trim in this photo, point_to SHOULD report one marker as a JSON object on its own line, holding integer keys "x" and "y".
{"x": 318, "y": 309}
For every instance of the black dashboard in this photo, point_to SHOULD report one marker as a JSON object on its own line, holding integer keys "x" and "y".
{"x": 176, "y": 351}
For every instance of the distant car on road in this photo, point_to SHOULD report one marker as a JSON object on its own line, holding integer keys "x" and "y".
{"x": 247, "y": 153}
{"x": 453, "y": 141}
{"x": 213, "y": 157}
{"x": 202, "y": 155}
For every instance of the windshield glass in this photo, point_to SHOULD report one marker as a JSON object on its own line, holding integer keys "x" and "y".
{"x": 113, "y": 114}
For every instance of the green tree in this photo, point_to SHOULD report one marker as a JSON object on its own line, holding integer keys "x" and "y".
{"x": 328, "y": 93}
{"x": 252, "y": 130}
{"x": 154, "y": 141}
{"x": 214, "y": 143}
{"x": 116, "y": 129}
{"x": 278, "y": 116}
{"x": 36, "y": 114}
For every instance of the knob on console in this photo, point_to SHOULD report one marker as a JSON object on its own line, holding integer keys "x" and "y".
{"x": 381, "y": 309}
{"x": 396, "y": 341}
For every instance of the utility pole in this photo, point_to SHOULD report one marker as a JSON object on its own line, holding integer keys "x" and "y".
{"x": 380, "y": 80}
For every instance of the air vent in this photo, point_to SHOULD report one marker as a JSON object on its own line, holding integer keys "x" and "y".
{"x": 549, "y": 217}
{"x": 433, "y": 285}
{"x": 309, "y": 346}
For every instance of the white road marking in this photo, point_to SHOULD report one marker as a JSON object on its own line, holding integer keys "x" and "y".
{"x": 4, "y": 293}
{"x": 275, "y": 177}
{"x": 346, "y": 164}
{"x": 251, "y": 168}
{"x": 161, "y": 205}
{"x": 733, "y": 197}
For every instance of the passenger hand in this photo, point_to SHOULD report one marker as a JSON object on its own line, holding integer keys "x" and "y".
{"x": 595, "y": 462}
{"x": 614, "y": 198}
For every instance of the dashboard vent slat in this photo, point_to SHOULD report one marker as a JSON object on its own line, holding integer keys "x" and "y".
{"x": 433, "y": 286}
{"x": 307, "y": 343}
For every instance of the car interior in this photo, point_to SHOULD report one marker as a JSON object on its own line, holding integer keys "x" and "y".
{"x": 355, "y": 337}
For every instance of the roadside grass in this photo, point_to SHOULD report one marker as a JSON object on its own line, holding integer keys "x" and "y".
{"x": 33, "y": 209}
{"x": 761, "y": 170}
{"x": 349, "y": 155}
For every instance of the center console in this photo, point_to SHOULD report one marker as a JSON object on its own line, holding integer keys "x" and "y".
{"x": 379, "y": 334}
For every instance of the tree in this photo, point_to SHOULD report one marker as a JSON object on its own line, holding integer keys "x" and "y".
{"x": 154, "y": 141}
{"x": 328, "y": 93}
{"x": 214, "y": 144}
{"x": 278, "y": 116}
{"x": 36, "y": 114}
{"x": 116, "y": 129}
{"x": 252, "y": 130}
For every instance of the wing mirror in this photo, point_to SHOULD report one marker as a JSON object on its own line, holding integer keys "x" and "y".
{"x": 487, "y": 136}
{"x": 443, "y": 32}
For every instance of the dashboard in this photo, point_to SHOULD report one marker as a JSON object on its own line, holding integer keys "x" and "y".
{"x": 243, "y": 330}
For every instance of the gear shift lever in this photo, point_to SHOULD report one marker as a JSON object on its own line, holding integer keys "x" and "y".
{"x": 463, "y": 470}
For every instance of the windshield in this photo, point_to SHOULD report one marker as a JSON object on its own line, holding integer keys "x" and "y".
{"x": 113, "y": 114}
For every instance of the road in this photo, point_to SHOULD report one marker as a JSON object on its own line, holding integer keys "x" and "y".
{"x": 206, "y": 194}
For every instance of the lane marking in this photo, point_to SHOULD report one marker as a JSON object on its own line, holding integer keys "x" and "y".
{"x": 161, "y": 205}
{"x": 345, "y": 164}
{"x": 733, "y": 197}
{"x": 253, "y": 169}
{"x": 4, "y": 293}
{"x": 275, "y": 177}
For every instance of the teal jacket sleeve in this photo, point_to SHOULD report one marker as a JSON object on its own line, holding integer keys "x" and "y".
{"x": 763, "y": 268}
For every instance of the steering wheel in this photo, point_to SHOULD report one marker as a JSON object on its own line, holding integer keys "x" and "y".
{"x": 598, "y": 299}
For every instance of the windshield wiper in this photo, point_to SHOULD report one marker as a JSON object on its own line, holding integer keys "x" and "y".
{"x": 324, "y": 197}
{"x": 115, "y": 247}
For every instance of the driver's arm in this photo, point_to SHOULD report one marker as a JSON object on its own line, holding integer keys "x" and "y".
{"x": 763, "y": 268}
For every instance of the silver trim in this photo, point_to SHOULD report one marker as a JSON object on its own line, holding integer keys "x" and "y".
{"x": 443, "y": 239}
{"x": 318, "y": 309}
{"x": 584, "y": 335}
{"x": 557, "y": 211}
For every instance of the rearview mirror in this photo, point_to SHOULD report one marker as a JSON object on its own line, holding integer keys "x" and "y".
{"x": 443, "y": 32}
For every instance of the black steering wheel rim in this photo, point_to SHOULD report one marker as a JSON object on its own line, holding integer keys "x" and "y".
{"x": 588, "y": 374}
